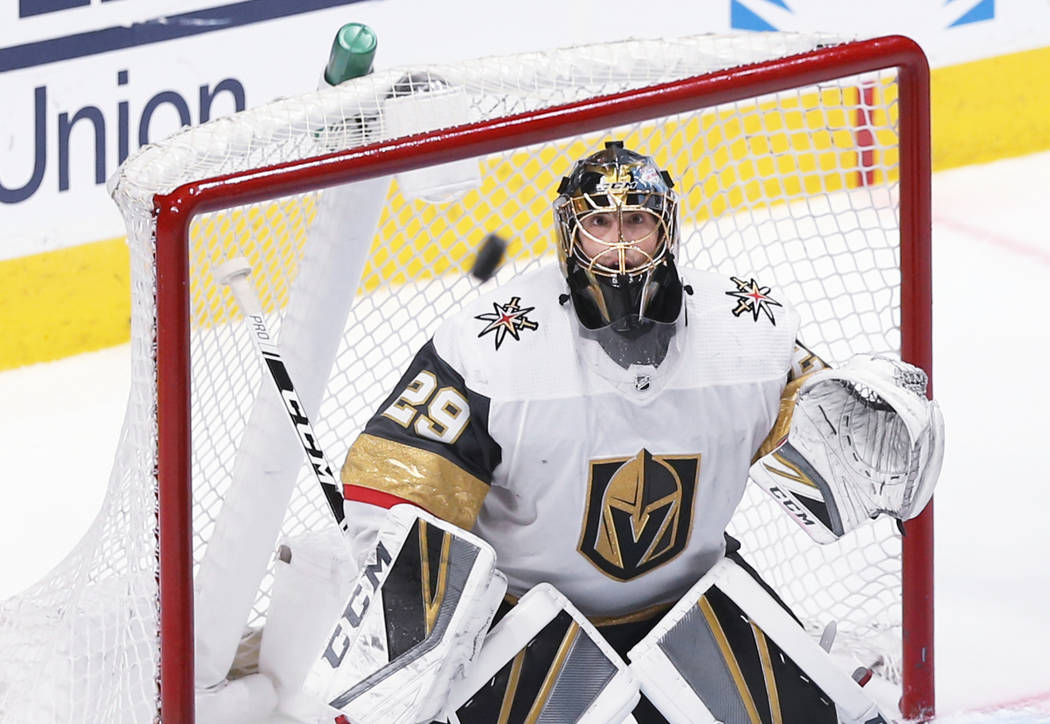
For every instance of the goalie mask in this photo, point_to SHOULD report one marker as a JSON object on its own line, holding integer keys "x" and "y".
{"x": 617, "y": 221}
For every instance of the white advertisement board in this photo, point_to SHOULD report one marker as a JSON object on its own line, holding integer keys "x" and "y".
{"x": 85, "y": 82}
{"x": 85, "y": 86}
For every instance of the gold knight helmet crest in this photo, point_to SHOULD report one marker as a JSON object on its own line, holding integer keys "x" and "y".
{"x": 639, "y": 512}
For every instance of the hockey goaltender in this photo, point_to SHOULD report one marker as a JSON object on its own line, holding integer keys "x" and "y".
{"x": 543, "y": 496}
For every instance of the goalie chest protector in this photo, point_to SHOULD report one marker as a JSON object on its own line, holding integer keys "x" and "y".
{"x": 616, "y": 485}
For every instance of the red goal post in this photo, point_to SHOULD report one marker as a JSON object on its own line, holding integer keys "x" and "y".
{"x": 807, "y": 160}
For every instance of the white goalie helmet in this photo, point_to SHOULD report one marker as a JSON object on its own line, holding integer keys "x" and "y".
{"x": 617, "y": 221}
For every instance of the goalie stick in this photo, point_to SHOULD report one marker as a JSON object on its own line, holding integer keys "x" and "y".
{"x": 234, "y": 274}
{"x": 378, "y": 677}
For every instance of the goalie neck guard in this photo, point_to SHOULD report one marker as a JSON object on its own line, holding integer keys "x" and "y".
{"x": 617, "y": 221}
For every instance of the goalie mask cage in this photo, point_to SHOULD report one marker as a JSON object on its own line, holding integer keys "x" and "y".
{"x": 801, "y": 161}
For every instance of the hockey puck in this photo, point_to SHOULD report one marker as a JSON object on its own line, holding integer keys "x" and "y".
{"x": 490, "y": 256}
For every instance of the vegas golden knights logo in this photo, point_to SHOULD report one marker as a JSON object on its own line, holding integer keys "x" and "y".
{"x": 639, "y": 511}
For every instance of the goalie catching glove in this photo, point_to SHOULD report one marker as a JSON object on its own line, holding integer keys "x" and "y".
{"x": 863, "y": 440}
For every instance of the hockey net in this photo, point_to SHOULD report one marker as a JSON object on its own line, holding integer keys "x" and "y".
{"x": 801, "y": 161}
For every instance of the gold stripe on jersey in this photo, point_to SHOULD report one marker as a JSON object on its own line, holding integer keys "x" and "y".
{"x": 730, "y": 658}
{"x": 419, "y": 476}
{"x": 803, "y": 364}
{"x": 782, "y": 425}
{"x": 643, "y": 615}
{"x": 767, "y": 673}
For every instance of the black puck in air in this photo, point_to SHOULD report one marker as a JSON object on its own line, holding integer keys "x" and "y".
{"x": 490, "y": 256}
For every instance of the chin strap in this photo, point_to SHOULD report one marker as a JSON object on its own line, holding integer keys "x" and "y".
{"x": 601, "y": 301}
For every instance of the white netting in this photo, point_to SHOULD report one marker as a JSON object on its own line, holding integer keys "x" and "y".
{"x": 797, "y": 188}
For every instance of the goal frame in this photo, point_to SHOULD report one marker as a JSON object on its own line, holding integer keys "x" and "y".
{"x": 175, "y": 211}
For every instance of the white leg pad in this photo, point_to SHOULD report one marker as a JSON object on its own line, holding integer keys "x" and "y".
{"x": 669, "y": 689}
{"x": 614, "y": 701}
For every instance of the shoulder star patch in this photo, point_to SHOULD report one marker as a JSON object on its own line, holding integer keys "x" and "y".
{"x": 507, "y": 319}
{"x": 753, "y": 298}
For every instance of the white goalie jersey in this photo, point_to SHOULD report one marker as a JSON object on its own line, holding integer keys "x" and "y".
{"x": 615, "y": 485}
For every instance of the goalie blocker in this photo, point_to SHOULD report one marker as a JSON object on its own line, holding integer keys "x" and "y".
{"x": 415, "y": 615}
{"x": 406, "y": 646}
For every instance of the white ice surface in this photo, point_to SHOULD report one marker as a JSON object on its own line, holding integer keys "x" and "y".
{"x": 61, "y": 421}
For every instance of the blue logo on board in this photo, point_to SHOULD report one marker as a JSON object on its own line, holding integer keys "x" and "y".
{"x": 741, "y": 17}
{"x": 981, "y": 10}
{"x": 749, "y": 15}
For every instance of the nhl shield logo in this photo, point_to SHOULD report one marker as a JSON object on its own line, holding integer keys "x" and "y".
{"x": 639, "y": 512}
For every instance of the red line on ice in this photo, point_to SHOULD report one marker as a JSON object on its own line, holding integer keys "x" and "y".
{"x": 992, "y": 238}
{"x": 1034, "y": 701}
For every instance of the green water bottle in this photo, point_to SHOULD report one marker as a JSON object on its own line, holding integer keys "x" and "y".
{"x": 353, "y": 51}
